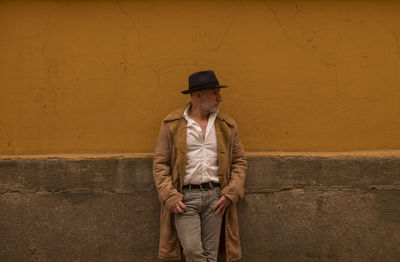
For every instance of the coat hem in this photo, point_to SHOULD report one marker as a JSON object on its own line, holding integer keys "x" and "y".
{"x": 170, "y": 258}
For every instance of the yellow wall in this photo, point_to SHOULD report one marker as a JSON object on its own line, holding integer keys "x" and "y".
{"x": 98, "y": 76}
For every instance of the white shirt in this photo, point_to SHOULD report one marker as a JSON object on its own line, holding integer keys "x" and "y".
{"x": 202, "y": 155}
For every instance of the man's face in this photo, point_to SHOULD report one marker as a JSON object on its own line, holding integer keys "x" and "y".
{"x": 210, "y": 99}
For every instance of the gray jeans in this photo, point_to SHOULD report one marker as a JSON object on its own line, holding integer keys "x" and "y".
{"x": 199, "y": 228}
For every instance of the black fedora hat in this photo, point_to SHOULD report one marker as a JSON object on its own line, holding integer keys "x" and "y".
{"x": 202, "y": 80}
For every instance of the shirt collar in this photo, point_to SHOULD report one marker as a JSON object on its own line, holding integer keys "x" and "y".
{"x": 190, "y": 121}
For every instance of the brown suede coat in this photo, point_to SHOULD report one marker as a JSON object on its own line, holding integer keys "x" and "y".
{"x": 169, "y": 168}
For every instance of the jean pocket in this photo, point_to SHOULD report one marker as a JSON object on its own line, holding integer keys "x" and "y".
{"x": 217, "y": 191}
{"x": 184, "y": 194}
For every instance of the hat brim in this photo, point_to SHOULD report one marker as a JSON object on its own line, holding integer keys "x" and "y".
{"x": 201, "y": 88}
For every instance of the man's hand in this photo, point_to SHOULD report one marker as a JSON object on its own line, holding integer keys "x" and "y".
{"x": 179, "y": 208}
{"x": 221, "y": 205}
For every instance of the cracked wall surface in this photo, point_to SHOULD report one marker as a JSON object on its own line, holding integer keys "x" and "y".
{"x": 98, "y": 76}
{"x": 297, "y": 208}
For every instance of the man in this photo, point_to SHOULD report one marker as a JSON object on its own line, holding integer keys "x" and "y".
{"x": 199, "y": 169}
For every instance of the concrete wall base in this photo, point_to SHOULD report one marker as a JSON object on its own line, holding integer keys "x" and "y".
{"x": 297, "y": 208}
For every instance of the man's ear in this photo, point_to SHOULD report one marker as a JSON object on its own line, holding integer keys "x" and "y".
{"x": 197, "y": 94}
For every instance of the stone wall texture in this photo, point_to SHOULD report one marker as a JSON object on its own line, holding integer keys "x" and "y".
{"x": 297, "y": 208}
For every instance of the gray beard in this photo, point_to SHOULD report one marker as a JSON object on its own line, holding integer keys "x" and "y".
{"x": 209, "y": 109}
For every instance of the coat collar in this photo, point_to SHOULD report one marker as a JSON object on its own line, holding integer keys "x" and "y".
{"x": 178, "y": 114}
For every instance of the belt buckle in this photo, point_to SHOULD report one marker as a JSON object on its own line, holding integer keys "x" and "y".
{"x": 206, "y": 186}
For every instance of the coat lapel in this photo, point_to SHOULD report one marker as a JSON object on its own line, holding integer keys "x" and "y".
{"x": 178, "y": 131}
{"x": 223, "y": 133}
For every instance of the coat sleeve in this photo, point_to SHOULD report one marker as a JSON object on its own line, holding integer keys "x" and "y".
{"x": 167, "y": 194}
{"x": 236, "y": 186}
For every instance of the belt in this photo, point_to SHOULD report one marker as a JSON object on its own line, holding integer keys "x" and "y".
{"x": 203, "y": 186}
